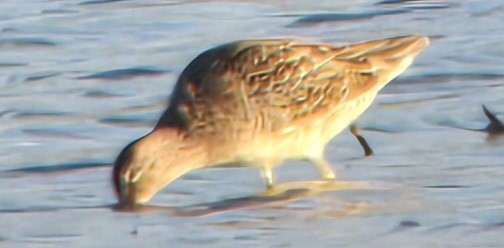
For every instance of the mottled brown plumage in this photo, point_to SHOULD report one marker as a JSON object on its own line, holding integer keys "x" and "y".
{"x": 259, "y": 103}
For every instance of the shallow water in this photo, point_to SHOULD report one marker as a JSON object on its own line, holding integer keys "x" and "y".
{"x": 80, "y": 79}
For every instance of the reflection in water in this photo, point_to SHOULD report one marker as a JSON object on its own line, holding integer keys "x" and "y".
{"x": 277, "y": 196}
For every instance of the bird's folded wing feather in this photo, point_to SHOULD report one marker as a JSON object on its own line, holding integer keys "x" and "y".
{"x": 267, "y": 84}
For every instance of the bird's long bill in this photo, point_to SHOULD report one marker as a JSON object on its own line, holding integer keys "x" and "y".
{"x": 142, "y": 188}
{"x": 149, "y": 184}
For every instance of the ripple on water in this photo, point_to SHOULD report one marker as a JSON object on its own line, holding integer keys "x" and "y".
{"x": 52, "y": 238}
{"x": 132, "y": 120}
{"x": 335, "y": 17}
{"x": 409, "y": 223}
{"x": 441, "y": 77}
{"x": 41, "y": 75}
{"x": 12, "y": 64}
{"x": 101, "y": 94}
{"x": 53, "y": 133}
{"x": 99, "y": 2}
{"x": 41, "y": 115}
{"x": 416, "y": 4}
{"x": 446, "y": 186}
{"x": 56, "y": 168}
{"x": 27, "y": 43}
{"x": 121, "y": 74}
{"x": 58, "y": 11}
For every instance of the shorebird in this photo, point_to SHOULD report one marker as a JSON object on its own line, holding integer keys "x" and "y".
{"x": 259, "y": 103}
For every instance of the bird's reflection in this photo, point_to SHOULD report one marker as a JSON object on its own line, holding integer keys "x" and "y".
{"x": 277, "y": 196}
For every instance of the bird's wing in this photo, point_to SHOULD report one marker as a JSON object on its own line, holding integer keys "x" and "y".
{"x": 267, "y": 84}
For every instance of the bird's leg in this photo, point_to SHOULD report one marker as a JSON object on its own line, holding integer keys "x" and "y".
{"x": 267, "y": 174}
{"x": 324, "y": 167}
{"x": 356, "y": 132}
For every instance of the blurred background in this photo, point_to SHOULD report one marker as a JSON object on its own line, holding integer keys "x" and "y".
{"x": 81, "y": 79}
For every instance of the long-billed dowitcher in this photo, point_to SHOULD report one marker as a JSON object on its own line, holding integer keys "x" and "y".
{"x": 260, "y": 103}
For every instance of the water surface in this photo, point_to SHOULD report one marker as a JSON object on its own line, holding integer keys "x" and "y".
{"x": 81, "y": 79}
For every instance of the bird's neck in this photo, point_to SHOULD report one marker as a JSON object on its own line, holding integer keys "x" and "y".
{"x": 189, "y": 152}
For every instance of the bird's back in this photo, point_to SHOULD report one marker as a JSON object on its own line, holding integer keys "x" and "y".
{"x": 267, "y": 85}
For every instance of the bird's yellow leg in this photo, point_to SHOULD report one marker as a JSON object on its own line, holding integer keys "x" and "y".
{"x": 267, "y": 172}
{"x": 324, "y": 167}
{"x": 267, "y": 175}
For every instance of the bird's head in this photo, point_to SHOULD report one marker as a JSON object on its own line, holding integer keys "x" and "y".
{"x": 149, "y": 164}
